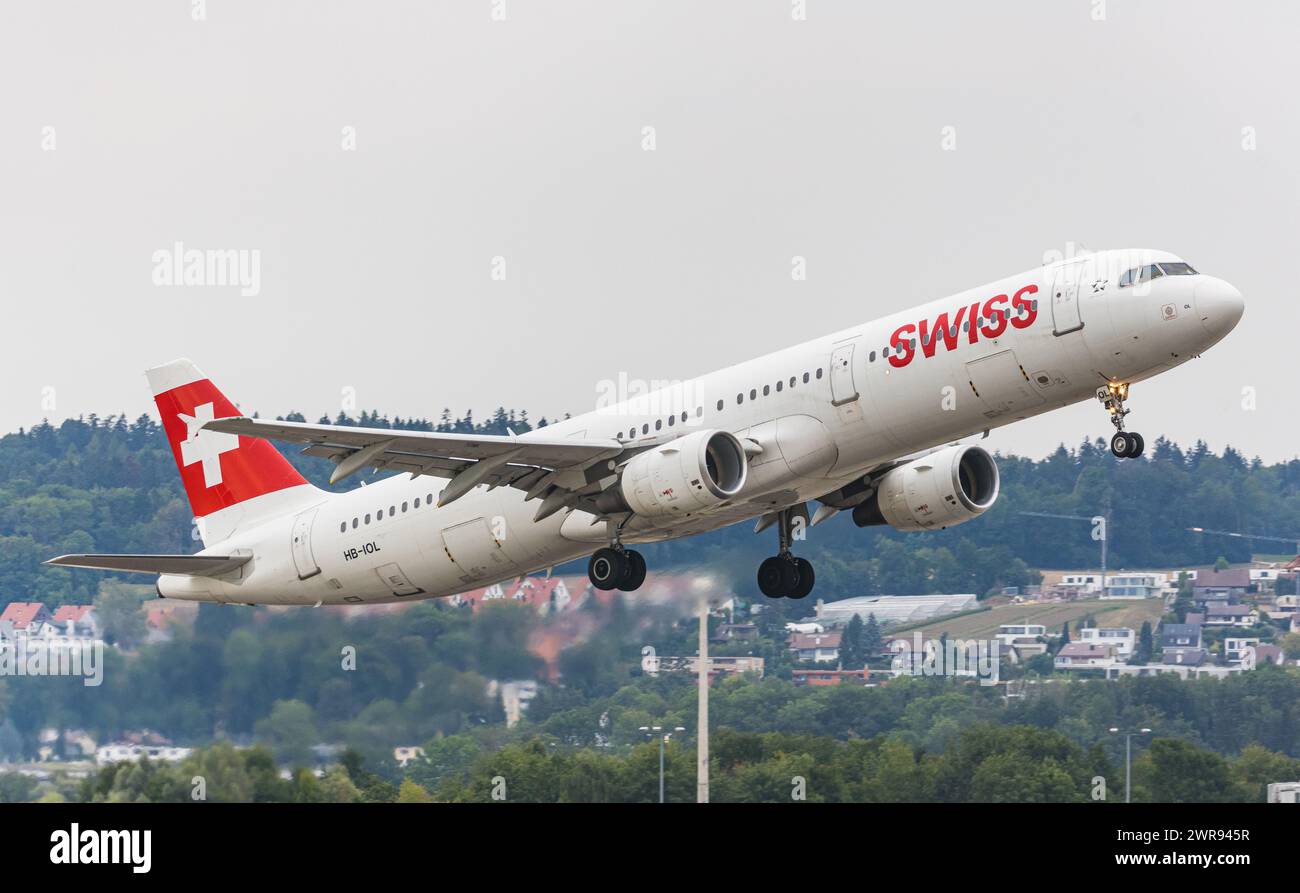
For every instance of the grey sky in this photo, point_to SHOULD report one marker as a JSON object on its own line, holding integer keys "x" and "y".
{"x": 523, "y": 139}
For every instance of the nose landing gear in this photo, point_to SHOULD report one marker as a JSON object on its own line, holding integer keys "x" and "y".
{"x": 1124, "y": 444}
{"x": 783, "y": 575}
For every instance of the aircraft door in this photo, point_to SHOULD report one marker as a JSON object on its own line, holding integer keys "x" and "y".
{"x": 303, "y": 558}
{"x": 844, "y": 388}
{"x": 1065, "y": 298}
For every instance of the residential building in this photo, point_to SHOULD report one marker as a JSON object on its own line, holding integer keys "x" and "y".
{"x": 1235, "y": 648}
{"x": 24, "y": 618}
{"x": 403, "y": 756}
{"x": 1233, "y": 583}
{"x": 653, "y": 665}
{"x": 1121, "y": 639}
{"x": 1230, "y": 615}
{"x": 1084, "y": 656}
{"x": 1010, "y": 632}
{"x": 735, "y": 632}
{"x": 1258, "y": 655}
{"x": 1185, "y": 657}
{"x": 76, "y": 621}
{"x": 1135, "y": 585}
{"x": 815, "y": 647}
{"x": 831, "y": 677}
{"x": 1180, "y": 636}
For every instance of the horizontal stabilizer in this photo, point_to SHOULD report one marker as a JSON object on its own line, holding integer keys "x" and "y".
{"x": 191, "y": 565}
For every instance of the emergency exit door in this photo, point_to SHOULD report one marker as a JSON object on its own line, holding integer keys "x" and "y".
{"x": 303, "y": 558}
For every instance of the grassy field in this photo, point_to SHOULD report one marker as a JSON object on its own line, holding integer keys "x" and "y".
{"x": 984, "y": 624}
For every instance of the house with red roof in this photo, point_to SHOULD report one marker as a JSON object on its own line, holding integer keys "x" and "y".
{"x": 28, "y": 618}
{"x": 77, "y": 620}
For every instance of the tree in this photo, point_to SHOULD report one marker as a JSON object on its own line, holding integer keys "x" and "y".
{"x": 1065, "y": 633}
{"x": 1146, "y": 644}
{"x": 1221, "y": 564}
{"x": 121, "y": 618}
{"x": 851, "y": 653}
{"x": 290, "y": 731}
{"x": 1177, "y": 771}
{"x": 410, "y": 792}
{"x": 873, "y": 641}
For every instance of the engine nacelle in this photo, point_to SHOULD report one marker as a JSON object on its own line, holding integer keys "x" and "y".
{"x": 689, "y": 474}
{"x": 947, "y": 487}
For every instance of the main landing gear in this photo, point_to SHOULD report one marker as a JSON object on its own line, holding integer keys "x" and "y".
{"x": 783, "y": 575}
{"x": 1124, "y": 444}
{"x": 615, "y": 567}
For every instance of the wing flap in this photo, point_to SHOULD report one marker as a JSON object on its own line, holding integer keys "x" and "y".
{"x": 189, "y": 565}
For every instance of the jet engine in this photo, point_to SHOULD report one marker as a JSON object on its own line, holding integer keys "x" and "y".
{"x": 686, "y": 475}
{"x": 947, "y": 487}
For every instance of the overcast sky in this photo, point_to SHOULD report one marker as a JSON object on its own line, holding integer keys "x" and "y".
{"x": 128, "y": 127}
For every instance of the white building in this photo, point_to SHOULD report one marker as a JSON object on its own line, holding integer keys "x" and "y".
{"x": 895, "y": 608}
{"x": 1148, "y": 584}
{"x": 1009, "y": 632}
{"x": 1234, "y": 649}
{"x": 1086, "y": 582}
{"x": 124, "y": 753}
{"x": 1121, "y": 639}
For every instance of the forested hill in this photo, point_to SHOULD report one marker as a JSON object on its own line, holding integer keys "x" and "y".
{"x": 109, "y": 485}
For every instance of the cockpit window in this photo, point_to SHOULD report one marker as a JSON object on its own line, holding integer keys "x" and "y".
{"x": 1147, "y": 273}
{"x": 1155, "y": 271}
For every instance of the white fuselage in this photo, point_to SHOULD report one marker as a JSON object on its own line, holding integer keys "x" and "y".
{"x": 824, "y": 412}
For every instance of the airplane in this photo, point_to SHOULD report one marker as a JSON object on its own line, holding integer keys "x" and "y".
{"x": 874, "y": 419}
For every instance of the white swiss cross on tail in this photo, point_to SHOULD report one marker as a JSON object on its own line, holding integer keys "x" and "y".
{"x": 205, "y": 446}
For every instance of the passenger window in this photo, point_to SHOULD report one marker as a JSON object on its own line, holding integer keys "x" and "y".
{"x": 767, "y": 389}
{"x": 645, "y": 429}
{"x": 780, "y": 386}
{"x": 719, "y": 406}
{"x": 403, "y": 507}
{"x": 659, "y": 424}
{"x": 343, "y": 528}
{"x": 740, "y": 398}
{"x": 672, "y": 419}
{"x": 428, "y": 500}
{"x": 792, "y": 381}
{"x": 367, "y": 517}
{"x": 392, "y": 510}
{"x": 805, "y": 378}
{"x": 871, "y": 358}
{"x": 753, "y": 393}
{"x": 697, "y": 412}
{"x": 819, "y": 373}
{"x": 354, "y": 523}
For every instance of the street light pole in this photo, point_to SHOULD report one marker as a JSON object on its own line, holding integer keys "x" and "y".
{"x": 663, "y": 739}
{"x": 1128, "y": 761}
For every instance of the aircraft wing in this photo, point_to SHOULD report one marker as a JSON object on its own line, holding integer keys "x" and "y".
{"x": 560, "y": 471}
{"x": 190, "y": 565}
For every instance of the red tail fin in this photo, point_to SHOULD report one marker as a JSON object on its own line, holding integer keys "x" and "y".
{"x": 218, "y": 470}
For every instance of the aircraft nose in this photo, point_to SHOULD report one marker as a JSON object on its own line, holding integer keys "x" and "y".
{"x": 1219, "y": 306}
